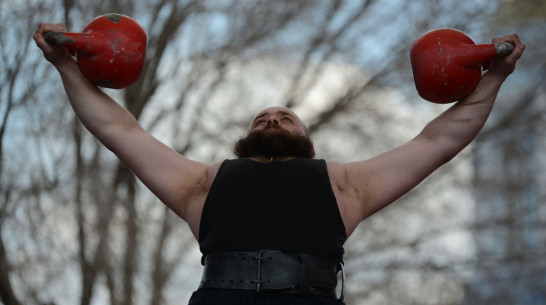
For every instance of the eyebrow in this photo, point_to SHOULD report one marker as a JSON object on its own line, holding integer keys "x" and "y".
{"x": 278, "y": 112}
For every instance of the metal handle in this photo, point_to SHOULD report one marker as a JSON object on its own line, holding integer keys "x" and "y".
{"x": 58, "y": 38}
{"x": 504, "y": 48}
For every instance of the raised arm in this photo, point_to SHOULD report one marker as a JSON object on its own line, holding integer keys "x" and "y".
{"x": 367, "y": 186}
{"x": 176, "y": 180}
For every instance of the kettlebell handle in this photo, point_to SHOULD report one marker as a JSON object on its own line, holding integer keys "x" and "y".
{"x": 89, "y": 44}
{"x": 504, "y": 48}
{"x": 57, "y": 38}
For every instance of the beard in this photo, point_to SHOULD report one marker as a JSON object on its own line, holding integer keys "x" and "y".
{"x": 274, "y": 144}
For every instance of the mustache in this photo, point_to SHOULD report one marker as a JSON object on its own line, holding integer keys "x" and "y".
{"x": 269, "y": 125}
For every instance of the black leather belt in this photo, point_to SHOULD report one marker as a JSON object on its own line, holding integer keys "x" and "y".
{"x": 271, "y": 271}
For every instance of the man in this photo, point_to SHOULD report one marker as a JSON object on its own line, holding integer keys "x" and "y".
{"x": 275, "y": 197}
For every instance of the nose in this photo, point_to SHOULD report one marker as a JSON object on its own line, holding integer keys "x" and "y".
{"x": 272, "y": 120}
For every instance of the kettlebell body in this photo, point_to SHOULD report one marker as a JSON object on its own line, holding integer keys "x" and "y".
{"x": 110, "y": 51}
{"x": 447, "y": 64}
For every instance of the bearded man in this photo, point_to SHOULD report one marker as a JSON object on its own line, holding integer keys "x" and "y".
{"x": 271, "y": 224}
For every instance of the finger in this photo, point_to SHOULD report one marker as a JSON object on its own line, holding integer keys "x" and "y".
{"x": 48, "y": 27}
{"x": 519, "y": 47}
{"x": 518, "y": 51}
{"x": 514, "y": 39}
{"x": 43, "y": 28}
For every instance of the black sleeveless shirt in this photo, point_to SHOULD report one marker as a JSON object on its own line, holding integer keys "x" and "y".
{"x": 287, "y": 206}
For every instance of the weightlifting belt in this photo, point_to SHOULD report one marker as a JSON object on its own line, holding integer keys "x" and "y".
{"x": 269, "y": 271}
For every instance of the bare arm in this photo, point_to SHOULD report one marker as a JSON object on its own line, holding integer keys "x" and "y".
{"x": 367, "y": 186}
{"x": 176, "y": 180}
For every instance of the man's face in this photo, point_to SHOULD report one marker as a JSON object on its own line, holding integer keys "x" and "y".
{"x": 277, "y": 118}
{"x": 276, "y": 132}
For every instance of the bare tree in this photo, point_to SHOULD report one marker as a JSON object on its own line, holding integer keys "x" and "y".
{"x": 509, "y": 169}
{"x": 210, "y": 65}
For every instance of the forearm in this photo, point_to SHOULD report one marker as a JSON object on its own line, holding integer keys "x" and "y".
{"x": 460, "y": 124}
{"x": 99, "y": 113}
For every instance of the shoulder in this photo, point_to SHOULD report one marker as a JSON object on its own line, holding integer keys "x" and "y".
{"x": 339, "y": 179}
{"x": 337, "y": 171}
{"x": 349, "y": 191}
{"x": 212, "y": 171}
{"x": 196, "y": 198}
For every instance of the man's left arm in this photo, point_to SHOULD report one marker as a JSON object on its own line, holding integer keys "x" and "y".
{"x": 365, "y": 187}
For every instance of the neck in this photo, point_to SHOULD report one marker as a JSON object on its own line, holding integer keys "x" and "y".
{"x": 271, "y": 159}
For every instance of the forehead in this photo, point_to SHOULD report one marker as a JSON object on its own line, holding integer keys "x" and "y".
{"x": 276, "y": 110}
{"x": 281, "y": 111}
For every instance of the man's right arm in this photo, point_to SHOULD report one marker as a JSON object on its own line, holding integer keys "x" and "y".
{"x": 176, "y": 180}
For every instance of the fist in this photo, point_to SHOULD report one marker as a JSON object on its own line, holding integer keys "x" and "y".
{"x": 54, "y": 54}
{"x": 505, "y": 65}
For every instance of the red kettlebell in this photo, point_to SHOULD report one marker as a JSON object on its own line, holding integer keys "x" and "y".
{"x": 110, "y": 51}
{"x": 447, "y": 64}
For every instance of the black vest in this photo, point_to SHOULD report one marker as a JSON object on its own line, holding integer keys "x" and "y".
{"x": 287, "y": 206}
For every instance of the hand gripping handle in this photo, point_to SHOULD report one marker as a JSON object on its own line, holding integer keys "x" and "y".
{"x": 504, "y": 48}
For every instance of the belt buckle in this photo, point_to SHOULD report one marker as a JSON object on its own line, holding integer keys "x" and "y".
{"x": 259, "y": 258}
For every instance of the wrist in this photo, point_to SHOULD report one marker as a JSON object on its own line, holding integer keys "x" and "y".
{"x": 496, "y": 74}
{"x": 65, "y": 65}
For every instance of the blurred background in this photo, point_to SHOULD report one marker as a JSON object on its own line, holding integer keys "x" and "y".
{"x": 76, "y": 227}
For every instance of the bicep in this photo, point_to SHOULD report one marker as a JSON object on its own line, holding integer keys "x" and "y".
{"x": 383, "y": 179}
{"x": 173, "y": 178}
